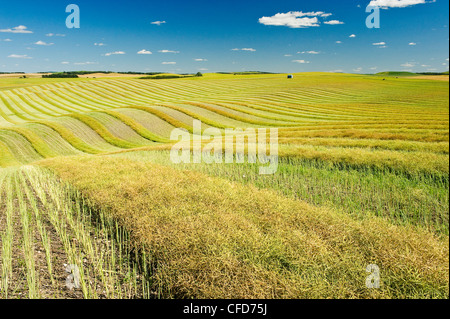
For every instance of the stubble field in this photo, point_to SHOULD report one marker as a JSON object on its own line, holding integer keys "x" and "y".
{"x": 86, "y": 180}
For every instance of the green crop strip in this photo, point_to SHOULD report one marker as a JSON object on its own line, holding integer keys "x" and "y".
{"x": 35, "y": 107}
{"x": 75, "y": 100}
{"x": 138, "y": 128}
{"x": 6, "y": 117}
{"x": 300, "y": 117}
{"x": 195, "y": 116}
{"x": 37, "y": 143}
{"x": 71, "y": 138}
{"x": 163, "y": 116}
{"x": 235, "y": 117}
{"x": 7, "y": 158}
{"x": 103, "y": 131}
{"x": 14, "y": 111}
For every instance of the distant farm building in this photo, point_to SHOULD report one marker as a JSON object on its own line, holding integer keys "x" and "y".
{"x": 290, "y": 76}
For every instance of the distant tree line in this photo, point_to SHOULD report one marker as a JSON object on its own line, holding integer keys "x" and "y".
{"x": 246, "y": 73}
{"x": 434, "y": 73}
{"x": 160, "y": 77}
{"x": 171, "y": 76}
{"x": 71, "y": 74}
{"x": 109, "y": 72}
{"x": 397, "y": 73}
{"x": 62, "y": 75}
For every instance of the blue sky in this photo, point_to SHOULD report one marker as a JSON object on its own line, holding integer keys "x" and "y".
{"x": 212, "y": 36}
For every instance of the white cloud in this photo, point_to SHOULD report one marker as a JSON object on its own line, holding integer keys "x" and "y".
{"x": 43, "y": 43}
{"x": 339, "y": 42}
{"x": 334, "y": 22}
{"x": 412, "y": 43}
{"x": 244, "y": 49}
{"x": 6, "y": 40}
{"x": 99, "y": 44}
{"x": 358, "y": 69}
{"x": 85, "y": 63}
{"x": 295, "y": 19}
{"x": 65, "y": 62}
{"x": 203, "y": 69}
{"x": 144, "y": 52}
{"x": 288, "y": 55}
{"x": 408, "y": 65}
{"x": 309, "y": 52}
{"x": 200, "y": 60}
{"x": 169, "y": 63}
{"x": 115, "y": 53}
{"x": 168, "y": 51}
{"x": 55, "y": 35}
{"x": 386, "y": 4}
{"x": 158, "y": 22}
{"x": 380, "y": 45}
{"x": 300, "y": 61}
{"x": 17, "y": 56}
{"x": 352, "y": 36}
{"x": 18, "y": 29}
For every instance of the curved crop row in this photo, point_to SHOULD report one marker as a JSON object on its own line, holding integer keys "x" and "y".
{"x": 237, "y": 117}
{"x": 393, "y": 145}
{"x": 339, "y": 112}
{"x": 151, "y": 122}
{"x": 7, "y": 158}
{"x": 70, "y": 137}
{"x": 38, "y": 144}
{"x": 138, "y": 128}
{"x": 103, "y": 132}
{"x": 167, "y": 118}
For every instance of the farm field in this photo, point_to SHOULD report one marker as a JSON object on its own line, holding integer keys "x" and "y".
{"x": 86, "y": 179}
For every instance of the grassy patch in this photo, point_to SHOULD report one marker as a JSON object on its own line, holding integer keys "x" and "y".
{"x": 51, "y": 233}
{"x": 210, "y": 238}
{"x": 403, "y": 199}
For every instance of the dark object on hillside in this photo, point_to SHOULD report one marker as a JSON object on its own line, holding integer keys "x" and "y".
{"x": 62, "y": 75}
{"x": 246, "y": 73}
{"x": 170, "y": 76}
{"x": 434, "y": 73}
{"x": 290, "y": 76}
{"x": 162, "y": 77}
